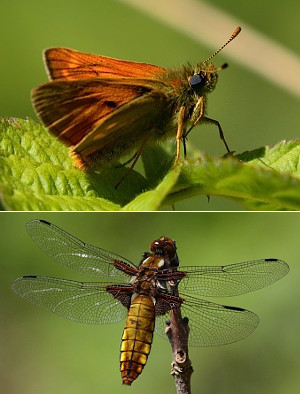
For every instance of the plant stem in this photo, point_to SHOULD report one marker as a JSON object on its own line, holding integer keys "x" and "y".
{"x": 178, "y": 333}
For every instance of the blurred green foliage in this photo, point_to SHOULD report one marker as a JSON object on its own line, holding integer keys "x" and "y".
{"x": 43, "y": 353}
{"x": 252, "y": 112}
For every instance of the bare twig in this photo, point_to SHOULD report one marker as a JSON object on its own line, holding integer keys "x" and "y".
{"x": 177, "y": 331}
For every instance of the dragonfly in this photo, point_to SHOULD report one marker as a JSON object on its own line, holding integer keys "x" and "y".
{"x": 146, "y": 293}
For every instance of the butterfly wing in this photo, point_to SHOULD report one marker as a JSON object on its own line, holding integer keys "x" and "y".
{"x": 93, "y": 101}
{"x": 125, "y": 130}
{"x": 94, "y": 113}
{"x": 65, "y": 63}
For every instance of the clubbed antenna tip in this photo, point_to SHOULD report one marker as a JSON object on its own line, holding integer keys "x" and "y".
{"x": 234, "y": 34}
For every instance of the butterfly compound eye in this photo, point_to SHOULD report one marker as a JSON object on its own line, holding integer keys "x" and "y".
{"x": 197, "y": 82}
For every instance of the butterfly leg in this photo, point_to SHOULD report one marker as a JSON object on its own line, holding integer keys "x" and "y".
{"x": 135, "y": 159}
{"x": 128, "y": 161}
{"x": 179, "y": 134}
{"x": 213, "y": 121}
{"x": 199, "y": 108}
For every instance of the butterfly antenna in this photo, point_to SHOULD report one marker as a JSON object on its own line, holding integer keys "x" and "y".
{"x": 234, "y": 34}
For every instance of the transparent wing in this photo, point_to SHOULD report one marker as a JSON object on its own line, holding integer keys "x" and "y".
{"x": 85, "y": 302}
{"x": 233, "y": 279}
{"x": 74, "y": 254}
{"x": 212, "y": 324}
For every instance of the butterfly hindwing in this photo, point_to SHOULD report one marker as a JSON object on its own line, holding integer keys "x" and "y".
{"x": 73, "y": 110}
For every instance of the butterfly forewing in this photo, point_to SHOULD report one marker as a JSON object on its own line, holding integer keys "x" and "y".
{"x": 212, "y": 324}
{"x": 81, "y": 301}
{"x": 71, "y": 65}
{"x": 76, "y": 255}
{"x": 232, "y": 279}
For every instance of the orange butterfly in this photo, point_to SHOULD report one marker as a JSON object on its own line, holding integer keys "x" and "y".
{"x": 104, "y": 108}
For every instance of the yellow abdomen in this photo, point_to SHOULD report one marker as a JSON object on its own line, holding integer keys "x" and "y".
{"x": 137, "y": 338}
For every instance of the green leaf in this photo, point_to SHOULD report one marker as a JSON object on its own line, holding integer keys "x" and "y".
{"x": 270, "y": 182}
{"x": 36, "y": 173}
{"x": 153, "y": 199}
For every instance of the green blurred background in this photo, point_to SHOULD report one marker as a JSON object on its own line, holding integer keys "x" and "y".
{"x": 251, "y": 110}
{"x": 44, "y": 353}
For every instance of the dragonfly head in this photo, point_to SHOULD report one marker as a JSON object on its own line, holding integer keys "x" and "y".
{"x": 166, "y": 248}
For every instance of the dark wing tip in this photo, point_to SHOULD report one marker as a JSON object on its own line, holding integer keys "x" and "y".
{"x": 44, "y": 221}
{"x": 234, "y": 308}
